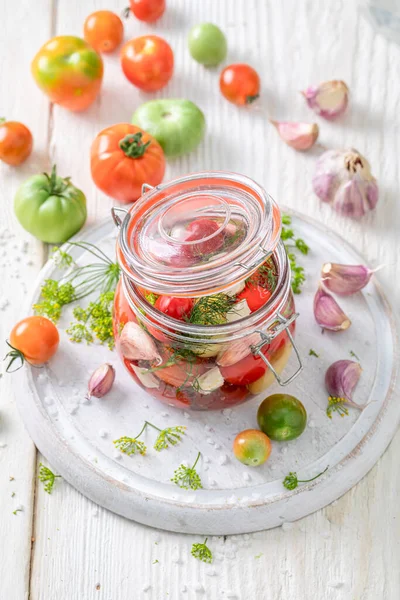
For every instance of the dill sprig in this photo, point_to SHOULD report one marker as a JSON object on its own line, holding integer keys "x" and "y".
{"x": 211, "y": 310}
{"x": 313, "y": 353}
{"x": 202, "y": 552}
{"x": 94, "y": 321}
{"x": 169, "y": 435}
{"x": 266, "y": 276}
{"x": 291, "y": 481}
{"x": 48, "y": 477}
{"x": 336, "y": 405}
{"x": 288, "y": 236}
{"x": 187, "y": 477}
{"x": 78, "y": 281}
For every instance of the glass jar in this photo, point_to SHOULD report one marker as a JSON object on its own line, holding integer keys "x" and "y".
{"x": 204, "y": 315}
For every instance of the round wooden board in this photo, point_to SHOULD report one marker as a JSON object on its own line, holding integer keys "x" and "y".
{"x": 76, "y": 435}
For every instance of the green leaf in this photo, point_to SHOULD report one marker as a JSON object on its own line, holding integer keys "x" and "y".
{"x": 47, "y": 476}
{"x": 202, "y": 552}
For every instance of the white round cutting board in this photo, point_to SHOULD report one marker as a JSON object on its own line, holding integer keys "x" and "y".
{"x": 76, "y": 435}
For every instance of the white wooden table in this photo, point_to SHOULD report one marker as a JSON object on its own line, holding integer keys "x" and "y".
{"x": 63, "y": 546}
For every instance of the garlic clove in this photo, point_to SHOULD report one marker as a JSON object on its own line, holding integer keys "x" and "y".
{"x": 235, "y": 289}
{"x": 240, "y": 310}
{"x": 237, "y": 350}
{"x": 343, "y": 179}
{"x": 345, "y": 279}
{"x": 136, "y": 344}
{"x": 146, "y": 377}
{"x": 341, "y": 379}
{"x": 328, "y": 313}
{"x": 101, "y": 381}
{"x": 329, "y": 99}
{"x": 209, "y": 381}
{"x": 300, "y": 136}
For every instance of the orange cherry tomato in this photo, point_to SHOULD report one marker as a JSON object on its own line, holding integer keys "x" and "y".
{"x": 239, "y": 84}
{"x": 69, "y": 71}
{"x": 103, "y": 30}
{"x": 148, "y": 62}
{"x": 147, "y": 10}
{"x": 123, "y": 158}
{"x": 15, "y": 142}
{"x": 34, "y": 339}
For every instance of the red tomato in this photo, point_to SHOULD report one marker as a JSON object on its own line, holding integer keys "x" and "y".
{"x": 251, "y": 367}
{"x": 255, "y": 295}
{"x": 240, "y": 84}
{"x": 176, "y": 308}
{"x": 34, "y": 339}
{"x": 123, "y": 158}
{"x": 200, "y": 229}
{"x": 15, "y": 142}
{"x": 233, "y": 394}
{"x": 148, "y": 62}
{"x": 103, "y": 30}
{"x": 147, "y": 10}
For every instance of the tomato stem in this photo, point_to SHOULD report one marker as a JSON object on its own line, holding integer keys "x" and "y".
{"x": 14, "y": 354}
{"x": 133, "y": 146}
{"x": 57, "y": 185}
{"x": 2, "y": 120}
{"x": 250, "y": 99}
{"x": 126, "y": 12}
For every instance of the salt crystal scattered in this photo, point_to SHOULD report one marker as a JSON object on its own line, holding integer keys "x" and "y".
{"x": 210, "y": 441}
{"x": 287, "y": 526}
{"x": 206, "y": 459}
{"x": 223, "y": 459}
{"x": 230, "y": 594}
{"x": 207, "y": 428}
{"x": 227, "y": 412}
{"x": 205, "y": 468}
{"x": 103, "y": 433}
{"x": 165, "y": 414}
{"x": 95, "y": 512}
{"x": 217, "y": 447}
{"x": 156, "y": 538}
{"x": 186, "y": 415}
{"x": 212, "y": 482}
{"x": 86, "y": 400}
{"x": 210, "y": 571}
{"x": 246, "y": 537}
{"x": 336, "y": 584}
{"x": 73, "y": 410}
{"x": 48, "y": 400}
{"x": 325, "y": 534}
{"x": 146, "y": 587}
{"x": 117, "y": 455}
{"x": 184, "y": 588}
{"x": 3, "y": 445}
{"x": 199, "y": 588}
{"x": 145, "y": 405}
{"x": 246, "y": 476}
{"x": 311, "y": 423}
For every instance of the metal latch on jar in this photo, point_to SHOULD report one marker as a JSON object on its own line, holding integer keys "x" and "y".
{"x": 116, "y": 209}
{"x": 266, "y": 338}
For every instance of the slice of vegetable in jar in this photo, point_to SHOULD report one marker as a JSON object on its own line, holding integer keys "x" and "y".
{"x": 237, "y": 350}
{"x": 179, "y": 368}
{"x": 206, "y": 234}
{"x": 136, "y": 344}
{"x": 209, "y": 381}
{"x": 146, "y": 377}
{"x": 240, "y": 310}
{"x": 255, "y": 295}
{"x": 176, "y": 308}
{"x": 279, "y": 360}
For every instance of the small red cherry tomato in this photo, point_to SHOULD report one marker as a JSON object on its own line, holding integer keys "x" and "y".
{"x": 34, "y": 339}
{"x": 251, "y": 367}
{"x": 15, "y": 142}
{"x": 252, "y": 447}
{"x": 103, "y": 30}
{"x": 240, "y": 84}
{"x": 199, "y": 230}
{"x": 176, "y": 308}
{"x": 147, "y": 62}
{"x": 147, "y": 10}
{"x": 255, "y": 295}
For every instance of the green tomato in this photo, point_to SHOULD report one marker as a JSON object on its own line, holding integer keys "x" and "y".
{"x": 207, "y": 44}
{"x": 252, "y": 447}
{"x": 177, "y": 125}
{"x": 50, "y": 208}
{"x": 282, "y": 417}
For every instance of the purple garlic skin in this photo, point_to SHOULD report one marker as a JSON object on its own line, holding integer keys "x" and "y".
{"x": 136, "y": 344}
{"x": 341, "y": 378}
{"x": 345, "y": 280}
{"x": 343, "y": 179}
{"x": 328, "y": 313}
{"x": 300, "y": 136}
{"x": 101, "y": 381}
{"x": 328, "y": 99}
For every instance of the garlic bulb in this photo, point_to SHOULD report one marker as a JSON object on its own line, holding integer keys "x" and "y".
{"x": 329, "y": 99}
{"x": 300, "y": 136}
{"x": 343, "y": 179}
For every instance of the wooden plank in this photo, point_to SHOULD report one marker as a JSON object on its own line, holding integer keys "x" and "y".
{"x": 351, "y": 548}
{"x": 23, "y": 28}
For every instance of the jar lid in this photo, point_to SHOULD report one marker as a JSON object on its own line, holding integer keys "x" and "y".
{"x": 198, "y": 235}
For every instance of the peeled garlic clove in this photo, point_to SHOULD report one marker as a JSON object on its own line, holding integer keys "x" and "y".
{"x": 136, "y": 344}
{"x": 240, "y": 310}
{"x": 146, "y": 378}
{"x": 345, "y": 279}
{"x": 235, "y": 289}
{"x": 101, "y": 381}
{"x": 343, "y": 179}
{"x": 329, "y": 99}
{"x": 341, "y": 378}
{"x": 237, "y": 350}
{"x": 209, "y": 381}
{"x": 328, "y": 313}
{"x": 300, "y": 136}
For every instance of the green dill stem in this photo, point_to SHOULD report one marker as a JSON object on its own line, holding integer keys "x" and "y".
{"x": 197, "y": 460}
{"x": 151, "y": 425}
{"x": 93, "y": 250}
{"x": 141, "y": 431}
{"x": 312, "y": 478}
